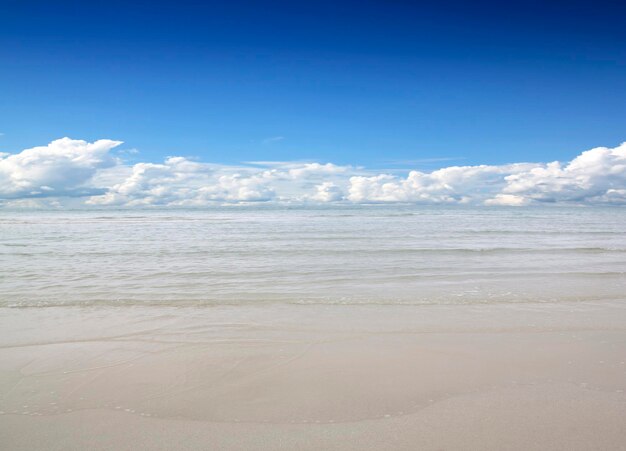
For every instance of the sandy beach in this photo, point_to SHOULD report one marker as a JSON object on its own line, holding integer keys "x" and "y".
{"x": 310, "y": 377}
{"x": 312, "y": 226}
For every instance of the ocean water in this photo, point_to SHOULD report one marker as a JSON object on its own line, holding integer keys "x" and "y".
{"x": 335, "y": 255}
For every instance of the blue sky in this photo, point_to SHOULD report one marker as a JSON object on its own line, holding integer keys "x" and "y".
{"x": 377, "y": 84}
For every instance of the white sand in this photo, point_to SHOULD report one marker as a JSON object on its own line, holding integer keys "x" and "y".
{"x": 534, "y": 376}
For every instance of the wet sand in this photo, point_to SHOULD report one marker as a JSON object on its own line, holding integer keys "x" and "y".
{"x": 310, "y": 377}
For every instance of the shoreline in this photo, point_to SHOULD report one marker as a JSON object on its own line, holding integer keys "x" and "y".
{"x": 315, "y": 377}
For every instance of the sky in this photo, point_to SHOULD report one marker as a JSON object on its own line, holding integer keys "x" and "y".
{"x": 379, "y": 88}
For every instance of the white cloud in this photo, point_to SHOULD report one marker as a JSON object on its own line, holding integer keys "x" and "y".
{"x": 507, "y": 200}
{"x": 455, "y": 184}
{"x": 154, "y": 184}
{"x": 91, "y": 174}
{"x": 62, "y": 168}
{"x": 595, "y": 175}
{"x": 179, "y": 181}
{"x": 327, "y": 192}
{"x": 313, "y": 170}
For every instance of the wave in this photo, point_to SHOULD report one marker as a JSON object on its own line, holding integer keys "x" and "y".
{"x": 292, "y": 249}
{"x": 343, "y": 301}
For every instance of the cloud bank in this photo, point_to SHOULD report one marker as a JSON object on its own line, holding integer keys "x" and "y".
{"x": 91, "y": 174}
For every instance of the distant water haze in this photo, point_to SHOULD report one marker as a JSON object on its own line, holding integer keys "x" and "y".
{"x": 354, "y": 255}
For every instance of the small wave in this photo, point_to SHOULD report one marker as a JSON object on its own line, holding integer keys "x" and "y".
{"x": 543, "y": 232}
{"x": 341, "y": 301}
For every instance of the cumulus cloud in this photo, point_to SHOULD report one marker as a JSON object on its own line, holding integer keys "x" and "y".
{"x": 455, "y": 184}
{"x": 308, "y": 170}
{"x": 62, "y": 168}
{"x": 597, "y": 175}
{"x": 179, "y": 182}
{"x": 507, "y": 200}
{"x": 327, "y": 192}
{"x": 91, "y": 174}
{"x": 155, "y": 184}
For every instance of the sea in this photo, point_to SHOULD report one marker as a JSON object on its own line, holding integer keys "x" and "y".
{"x": 377, "y": 254}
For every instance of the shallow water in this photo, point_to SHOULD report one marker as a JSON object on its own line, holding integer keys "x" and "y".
{"x": 250, "y": 255}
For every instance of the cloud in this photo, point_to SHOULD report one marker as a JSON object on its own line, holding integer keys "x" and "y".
{"x": 597, "y": 175}
{"x": 451, "y": 185}
{"x": 155, "y": 184}
{"x": 312, "y": 170}
{"x": 67, "y": 171}
{"x": 507, "y": 200}
{"x": 62, "y": 168}
{"x": 327, "y": 192}
{"x": 181, "y": 182}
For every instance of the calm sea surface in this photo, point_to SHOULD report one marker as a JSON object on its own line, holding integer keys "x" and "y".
{"x": 378, "y": 255}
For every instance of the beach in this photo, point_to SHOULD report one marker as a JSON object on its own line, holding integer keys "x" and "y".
{"x": 315, "y": 377}
{"x": 312, "y": 226}
{"x": 340, "y": 329}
